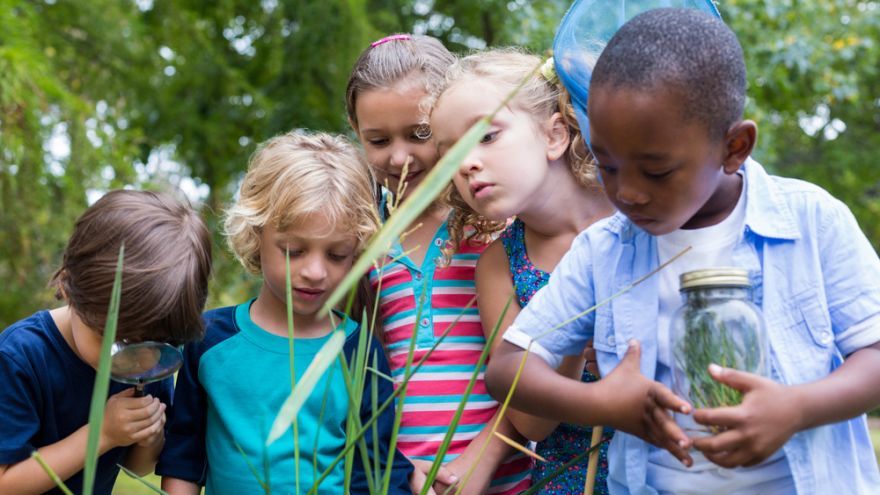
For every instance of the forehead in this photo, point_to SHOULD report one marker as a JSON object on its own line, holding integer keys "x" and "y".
{"x": 462, "y": 104}
{"x": 640, "y": 118}
{"x": 314, "y": 227}
{"x": 398, "y": 105}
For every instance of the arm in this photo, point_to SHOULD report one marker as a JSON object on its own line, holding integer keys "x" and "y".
{"x": 127, "y": 420}
{"x": 495, "y": 289}
{"x": 183, "y": 461}
{"x": 625, "y": 399}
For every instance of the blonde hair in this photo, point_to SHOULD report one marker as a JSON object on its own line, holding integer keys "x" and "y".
{"x": 505, "y": 69}
{"x": 394, "y": 59}
{"x": 297, "y": 174}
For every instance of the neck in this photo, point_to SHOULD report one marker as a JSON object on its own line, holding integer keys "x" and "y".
{"x": 563, "y": 207}
{"x": 271, "y": 315}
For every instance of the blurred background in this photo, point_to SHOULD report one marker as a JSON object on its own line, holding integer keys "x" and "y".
{"x": 102, "y": 94}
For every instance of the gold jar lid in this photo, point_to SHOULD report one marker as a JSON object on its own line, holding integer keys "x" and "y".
{"x": 715, "y": 277}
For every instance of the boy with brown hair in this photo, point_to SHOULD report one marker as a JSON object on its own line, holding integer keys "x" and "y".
{"x": 48, "y": 360}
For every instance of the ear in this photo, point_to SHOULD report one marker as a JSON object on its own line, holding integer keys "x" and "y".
{"x": 738, "y": 144}
{"x": 558, "y": 137}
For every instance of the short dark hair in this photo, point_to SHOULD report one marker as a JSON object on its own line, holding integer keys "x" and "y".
{"x": 165, "y": 270}
{"x": 688, "y": 51}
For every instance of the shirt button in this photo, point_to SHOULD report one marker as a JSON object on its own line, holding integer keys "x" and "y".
{"x": 425, "y": 322}
{"x": 418, "y": 276}
{"x": 825, "y": 338}
{"x": 438, "y": 242}
{"x": 611, "y": 340}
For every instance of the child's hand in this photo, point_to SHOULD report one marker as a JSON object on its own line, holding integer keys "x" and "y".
{"x": 642, "y": 406}
{"x": 477, "y": 484}
{"x": 420, "y": 476}
{"x": 755, "y": 429}
{"x": 129, "y": 419}
{"x": 591, "y": 364}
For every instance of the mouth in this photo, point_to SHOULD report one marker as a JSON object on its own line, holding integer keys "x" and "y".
{"x": 308, "y": 294}
{"x": 480, "y": 190}
{"x": 410, "y": 176}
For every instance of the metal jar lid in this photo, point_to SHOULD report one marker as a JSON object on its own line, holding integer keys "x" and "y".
{"x": 715, "y": 277}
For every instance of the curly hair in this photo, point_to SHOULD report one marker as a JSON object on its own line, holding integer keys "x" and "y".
{"x": 539, "y": 97}
{"x": 295, "y": 175}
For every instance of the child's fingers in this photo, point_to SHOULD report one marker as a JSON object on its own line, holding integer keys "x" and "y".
{"x": 723, "y": 417}
{"x": 446, "y": 476}
{"x": 667, "y": 399}
{"x": 739, "y": 380}
{"x": 668, "y": 435}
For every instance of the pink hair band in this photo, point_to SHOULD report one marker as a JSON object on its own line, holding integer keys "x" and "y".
{"x": 393, "y": 37}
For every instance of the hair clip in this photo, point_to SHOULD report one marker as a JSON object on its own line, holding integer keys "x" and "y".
{"x": 393, "y": 37}
{"x": 548, "y": 71}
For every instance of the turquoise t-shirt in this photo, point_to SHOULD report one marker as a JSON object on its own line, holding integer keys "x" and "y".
{"x": 247, "y": 379}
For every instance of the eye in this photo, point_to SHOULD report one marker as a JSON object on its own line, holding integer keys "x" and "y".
{"x": 293, "y": 252}
{"x": 489, "y": 137}
{"x": 377, "y": 142}
{"x": 338, "y": 257}
{"x": 658, "y": 175}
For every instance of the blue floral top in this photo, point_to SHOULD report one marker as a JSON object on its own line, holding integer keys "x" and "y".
{"x": 568, "y": 440}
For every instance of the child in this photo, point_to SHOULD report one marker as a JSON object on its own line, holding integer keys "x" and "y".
{"x": 665, "y": 109}
{"x": 48, "y": 360}
{"x": 311, "y": 195}
{"x": 531, "y": 164}
{"x": 385, "y": 100}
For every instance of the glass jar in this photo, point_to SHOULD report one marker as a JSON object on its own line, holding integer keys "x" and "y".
{"x": 717, "y": 323}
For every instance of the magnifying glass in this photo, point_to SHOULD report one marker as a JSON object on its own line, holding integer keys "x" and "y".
{"x": 143, "y": 362}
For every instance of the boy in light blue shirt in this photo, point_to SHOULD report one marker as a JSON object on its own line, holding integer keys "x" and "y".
{"x": 665, "y": 117}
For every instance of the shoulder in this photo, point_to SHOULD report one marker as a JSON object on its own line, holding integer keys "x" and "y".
{"x": 220, "y": 325}
{"x": 29, "y": 340}
{"x": 493, "y": 263}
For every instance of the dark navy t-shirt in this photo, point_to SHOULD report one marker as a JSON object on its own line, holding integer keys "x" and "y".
{"x": 45, "y": 394}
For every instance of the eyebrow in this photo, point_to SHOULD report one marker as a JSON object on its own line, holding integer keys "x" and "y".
{"x": 469, "y": 123}
{"x": 651, "y": 157}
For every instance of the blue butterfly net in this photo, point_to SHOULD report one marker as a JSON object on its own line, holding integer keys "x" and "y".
{"x": 586, "y": 29}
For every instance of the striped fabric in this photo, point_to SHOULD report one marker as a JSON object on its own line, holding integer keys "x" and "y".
{"x": 434, "y": 393}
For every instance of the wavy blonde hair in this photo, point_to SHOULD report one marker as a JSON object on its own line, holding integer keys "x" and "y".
{"x": 297, "y": 174}
{"x": 506, "y": 68}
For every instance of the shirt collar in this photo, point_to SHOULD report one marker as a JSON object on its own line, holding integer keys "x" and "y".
{"x": 767, "y": 214}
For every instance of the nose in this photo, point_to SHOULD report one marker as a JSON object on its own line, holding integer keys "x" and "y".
{"x": 313, "y": 269}
{"x": 470, "y": 164}
{"x": 399, "y": 156}
{"x": 630, "y": 194}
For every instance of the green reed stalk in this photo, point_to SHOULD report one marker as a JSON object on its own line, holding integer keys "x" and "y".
{"x": 51, "y": 472}
{"x": 447, "y": 440}
{"x": 263, "y": 484}
{"x": 561, "y": 469}
{"x": 132, "y": 474}
{"x": 288, "y": 294}
{"x": 102, "y": 380}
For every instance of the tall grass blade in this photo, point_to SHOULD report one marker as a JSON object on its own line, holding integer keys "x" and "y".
{"x": 288, "y": 293}
{"x": 537, "y": 485}
{"x": 102, "y": 381}
{"x": 131, "y": 474}
{"x": 263, "y": 484}
{"x": 51, "y": 472}
{"x": 518, "y": 446}
{"x": 323, "y": 359}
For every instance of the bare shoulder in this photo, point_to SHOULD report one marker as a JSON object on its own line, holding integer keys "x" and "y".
{"x": 493, "y": 263}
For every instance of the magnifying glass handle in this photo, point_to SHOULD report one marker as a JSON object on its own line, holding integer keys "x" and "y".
{"x": 139, "y": 391}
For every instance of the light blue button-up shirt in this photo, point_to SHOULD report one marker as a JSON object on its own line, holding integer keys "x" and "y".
{"x": 814, "y": 274}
